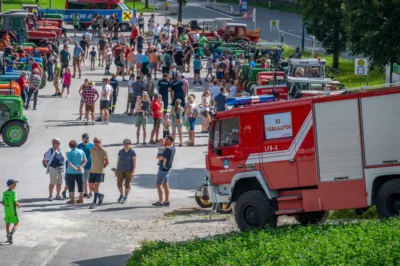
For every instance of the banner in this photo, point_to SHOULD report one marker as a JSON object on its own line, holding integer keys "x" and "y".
{"x": 86, "y": 15}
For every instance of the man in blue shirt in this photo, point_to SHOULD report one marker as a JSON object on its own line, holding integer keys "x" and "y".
{"x": 252, "y": 64}
{"x": 220, "y": 100}
{"x": 86, "y": 146}
{"x": 76, "y": 162}
{"x": 163, "y": 89}
{"x": 177, "y": 92}
{"x": 78, "y": 54}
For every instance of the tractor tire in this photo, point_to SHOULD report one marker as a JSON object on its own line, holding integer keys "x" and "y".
{"x": 312, "y": 217}
{"x": 202, "y": 202}
{"x": 254, "y": 210}
{"x": 388, "y": 199}
{"x": 124, "y": 27}
{"x": 43, "y": 81}
{"x": 15, "y": 133}
{"x": 224, "y": 208}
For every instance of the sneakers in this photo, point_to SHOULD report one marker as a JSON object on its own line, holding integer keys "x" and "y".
{"x": 124, "y": 201}
{"x": 89, "y": 196}
{"x": 121, "y": 197}
{"x": 92, "y": 206}
{"x": 79, "y": 118}
{"x": 50, "y": 198}
{"x": 166, "y": 204}
{"x": 71, "y": 201}
{"x": 64, "y": 194}
{"x": 59, "y": 198}
{"x": 9, "y": 238}
{"x": 101, "y": 197}
{"x": 79, "y": 201}
{"x": 85, "y": 195}
{"x": 157, "y": 204}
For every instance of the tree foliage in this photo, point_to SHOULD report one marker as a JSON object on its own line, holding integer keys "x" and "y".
{"x": 325, "y": 20}
{"x": 373, "y": 29}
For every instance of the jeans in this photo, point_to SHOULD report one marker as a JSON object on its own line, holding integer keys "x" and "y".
{"x": 35, "y": 95}
{"x": 50, "y": 72}
{"x": 23, "y": 97}
{"x": 156, "y": 39}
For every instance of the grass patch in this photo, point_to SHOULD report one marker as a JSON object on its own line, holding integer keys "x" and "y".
{"x": 363, "y": 243}
{"x": 139, "y": 6}
{"x": 376, "y": 75}
{"x": 275, "y": 6}
{"x": 349, "y": 214}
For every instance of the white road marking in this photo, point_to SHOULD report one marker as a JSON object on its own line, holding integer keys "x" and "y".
{"x": 52, "y": 254}
{"x": 294, "y": 35}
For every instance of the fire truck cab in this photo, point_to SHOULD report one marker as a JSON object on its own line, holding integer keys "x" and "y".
{"x": 307, "y": 156}
{"x": 307, "y": 67}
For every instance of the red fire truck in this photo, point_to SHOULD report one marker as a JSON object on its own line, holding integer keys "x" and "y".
{"x": 307, "y": 156}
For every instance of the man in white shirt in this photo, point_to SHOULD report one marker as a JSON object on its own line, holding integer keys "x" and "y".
{"x": 196, "y": 36}
{"x": 105, "y": 101}
{"x": 156, "y": 33}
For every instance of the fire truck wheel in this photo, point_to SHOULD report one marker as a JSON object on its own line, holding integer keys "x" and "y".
{"x": 388, "y": 199}
{"x": 203, "y": 202}
{"x": 254, "y": 210}
{"x": 224, "y": 208}
{"x": 312, "y": 217}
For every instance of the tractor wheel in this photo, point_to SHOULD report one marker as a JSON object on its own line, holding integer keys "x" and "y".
{"x": 43, "y": 81}
{"x": 312, "y": 217}
{"x": 254, "y": 210}
{"x": 207, "y": 52}
{"x": 124, "y": 27}
{"x": 15, "y": 133}
{"x": 388, "y": 199}
{"x": 250, "y": 86}
{"x": 251, "y": 89}
{"x": 202, "y": 202}
{"x": 224, "y": 208}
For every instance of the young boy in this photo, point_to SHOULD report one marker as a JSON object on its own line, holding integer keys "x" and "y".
{"x": 197, "y": 68}
{"x": 138, "y": 105}
{"x": 93, "y": 58}
{"x": 10, "y": 204}
{"x": 161, "y": 150}
{"x": 166, "y": 125}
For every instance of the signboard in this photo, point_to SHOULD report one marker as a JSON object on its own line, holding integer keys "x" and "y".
{"x": 86, "y": 15}
{"x": 361, "y": 66}
{"x": 274, "y": 25}
{"x": 254, "y": 15}
{"x": 244, "y": 5}
{"x": 277, "y": 126}
{"x": 127, "y": 15}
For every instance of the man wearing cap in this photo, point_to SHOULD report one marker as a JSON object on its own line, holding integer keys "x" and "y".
{"x": 76, "y": 60}
{"x": 34, "y": 84}
{"x": 86, "y": 147}
{"x": 10, "y": 203}
{"x": 99, "y": 161}
{"x": 126, "y": 167}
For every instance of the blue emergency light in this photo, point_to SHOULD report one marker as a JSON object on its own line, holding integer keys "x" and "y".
{"x": 250, "y": 100}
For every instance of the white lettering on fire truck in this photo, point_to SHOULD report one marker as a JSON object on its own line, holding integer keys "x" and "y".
{"x": 278, "y": 126}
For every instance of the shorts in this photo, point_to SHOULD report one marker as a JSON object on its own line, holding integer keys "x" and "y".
{"x": 157, "y": 122}
{"x": 94, "y": 27}
{"x": 56, "y": 175}
{"x": 64, "y": 64}
{"x": 131, "y": 64}
{"x": 71, "y": 179}
{"x": 153, "y": 65}
{"x": 11, "y": 219}
{"x": 89, "y": 108}
{"x": 86, "y": 175}
{"x": 141, "y": 26}
{"x": 141, "y": 121}
{"x": 165, "y": 70}
{"x": 192, "y": 123}
{"x": 197, "y": 71}
{"x": 162, "y": 177}
{"x": 132, "y": 42}
{"x": 220, "y": 75}
{"x": 104, "y": 104}
{"x": 205, "y": 113}
{"x": 124, "y": 176}
{"x": 75, "y": 61}
{"x": 76, "y": 27}
{"x": 56, "y": 83}
{"x": 96, "y": 178}
{"x": 101, "y": 52}
{"x": 65, "y": 86}
{"x": 209, "y": 70}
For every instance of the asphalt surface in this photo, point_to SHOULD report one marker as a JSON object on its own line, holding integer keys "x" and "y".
{"x": 52, "y": 233}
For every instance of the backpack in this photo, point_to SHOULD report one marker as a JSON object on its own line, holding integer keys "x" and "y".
{"x": 174, "y": 74}
{"x": 44, "y": 164}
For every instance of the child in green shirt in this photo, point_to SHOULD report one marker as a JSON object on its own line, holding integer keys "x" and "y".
{"x": 10, "y": 204}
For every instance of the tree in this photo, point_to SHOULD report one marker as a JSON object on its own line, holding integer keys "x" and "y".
{"x": 373, "y": 29}
{"x": 146, "y": 4}
{"x": 181, "y": 4}
{"x": 325, "y": 20}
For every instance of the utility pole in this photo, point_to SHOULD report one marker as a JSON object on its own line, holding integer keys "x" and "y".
{"x": 303, "y": 37}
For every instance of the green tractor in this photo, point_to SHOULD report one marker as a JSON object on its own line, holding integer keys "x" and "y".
{"x": 14, "y": 125}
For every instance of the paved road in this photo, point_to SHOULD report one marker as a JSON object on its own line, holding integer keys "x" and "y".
{"x": 52, "y": 233}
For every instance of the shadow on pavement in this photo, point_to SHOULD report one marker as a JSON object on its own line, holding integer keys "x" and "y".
{"x": 67, "y": 208}
{"x": 205, "y": 220}
{"x": 32, "y": 200}
{"x": 126, "y": 208}
{"x": 184, "y": 179}
{"x": 116, "y": 260}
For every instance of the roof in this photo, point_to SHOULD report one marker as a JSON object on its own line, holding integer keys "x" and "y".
{"x": 309, "y": 80}
{"x": 236, "y": 24}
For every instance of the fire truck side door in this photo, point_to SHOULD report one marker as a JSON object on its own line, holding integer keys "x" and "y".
{"x": 229, "y": 145}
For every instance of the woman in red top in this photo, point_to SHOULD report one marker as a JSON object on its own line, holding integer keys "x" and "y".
{"x": 157, "y": 109}
{"x": 22, "y": 82}
{"x": 134, "y": 34}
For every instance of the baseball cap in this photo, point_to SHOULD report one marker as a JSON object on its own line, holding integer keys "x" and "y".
{"x": 173, "y": 64}
{"x": 85, "y": 135}
{"x": 11, "y": 182}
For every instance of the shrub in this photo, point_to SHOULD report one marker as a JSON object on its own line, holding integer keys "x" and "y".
{"x": 362, "y": 243}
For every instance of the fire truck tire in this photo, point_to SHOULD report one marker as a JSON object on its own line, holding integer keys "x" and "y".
{"x": 224, "y": 208}
{"x": 312, "y": 217}
{"x": 254, "y": 210}
{"x": 388, "y": 199}
{"x": 204, "y": 203}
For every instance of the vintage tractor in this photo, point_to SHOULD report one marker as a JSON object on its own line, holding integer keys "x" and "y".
{"x": 15, "y": 24}
{"x": 53, "y": 18}
{"x": 14, "y": 126}
{"x": 10, "y": 88}
{"x": 307, "y": 67}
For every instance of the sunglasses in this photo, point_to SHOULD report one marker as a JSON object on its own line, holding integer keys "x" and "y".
{"x": 96, "y": 141}
{"x": 127, "y": 143}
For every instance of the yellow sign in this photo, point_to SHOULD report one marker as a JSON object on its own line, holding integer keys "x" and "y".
{"x": 361, "y": 62}
{"x": 274, "y": 23}
{"x": 126, "y": 15}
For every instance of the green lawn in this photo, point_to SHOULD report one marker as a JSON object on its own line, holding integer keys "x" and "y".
{"x": 358, "y": 243}
{"x": 346, "y": 76}
{"x": 60, "y": 4}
